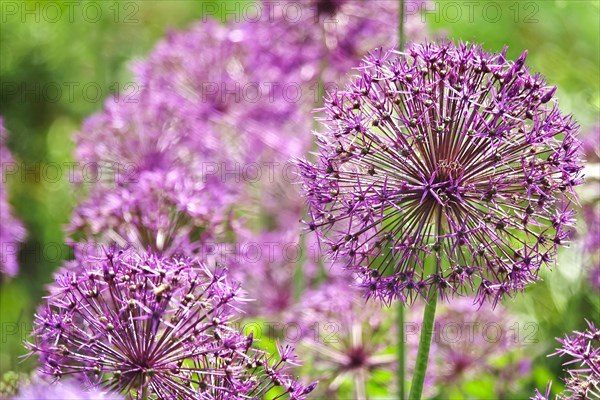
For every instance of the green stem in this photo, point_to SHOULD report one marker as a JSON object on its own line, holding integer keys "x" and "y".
{"x": 401, "y": 344}
{"x": 401, "y": 35}
{"x": 424, "y": 345}
{"x": 401, "y": 356}
{"x": 416, "y": 388}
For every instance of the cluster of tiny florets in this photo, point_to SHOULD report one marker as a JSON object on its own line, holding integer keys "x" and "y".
{"x": 346, "y": 342}
{"x": 156, "y": 327}
{"x": 444, "y": 168}
{"x": 582, "y": 350}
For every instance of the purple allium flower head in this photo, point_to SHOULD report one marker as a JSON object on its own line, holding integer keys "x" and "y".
{"x": 443, "y": 152}
{"x": 346, "y": 341}
{"x": 63, "y": 390}
{"x": 333, "y": 34}
{"x": 152, "y": 326}
{"x": 11, "y": 230}
{"x": 159, "y": 153}
{"x": 167, "y": 211}
{"x": 539, "y": 396}
{"x": 209, "y": 101}
{"x": 300, "y": 49}
{"x": 582, "y": 350}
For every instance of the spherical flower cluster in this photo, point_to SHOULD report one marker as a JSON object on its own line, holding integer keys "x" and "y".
{"x": 583, "y": 373}
{"x": 302, "y": 49}
{"x": 346, "y": 343}
{"x": 156, "y": 328}
{"x": 444, "y": 168}
{"x": 168, "y": 211}
{"x": 11, "y": 230}
{"x": 333, "y": 34}
{"x": 158, "y": 154}
{"x": 206, "y": 103}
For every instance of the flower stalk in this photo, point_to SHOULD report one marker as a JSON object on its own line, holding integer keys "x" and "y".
{"x": 424, "y": 345}
{"x": 427, "y": 326}
{"x": 401, "y": 352}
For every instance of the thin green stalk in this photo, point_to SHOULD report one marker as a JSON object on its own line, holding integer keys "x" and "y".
{"x": 416, "y": 388}
{"x": 145, "y": 391}
{"x": 401, "y": 349}
{"x": 401, "y": 344}
{"x": 401, "y": 35}
{"x": 424, "y": 345}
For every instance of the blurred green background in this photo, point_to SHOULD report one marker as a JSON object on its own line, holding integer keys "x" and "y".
{"x": 40, "y": 53}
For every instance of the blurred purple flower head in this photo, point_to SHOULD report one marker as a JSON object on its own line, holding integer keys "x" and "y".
{"x": 333, "y": 34}
{"x": 168, "y": 211}
{"x": 468, "y": 342}
{"x": 12, "y": 231}
{"x": 582, "y": 350}
{"x": 161, "y": 151}
{"x": 591, "y": 242}
{"x": 591, "y": 145}
{"x": 153, "y": 326}
{"x": 302, "y": 49}
{"x": 590, "y": 197}
{"x": 63, "y": 390}
{"x": 346, "y": 342}
{"x": 444, "y": 153}
{"x": 207, "y": 101}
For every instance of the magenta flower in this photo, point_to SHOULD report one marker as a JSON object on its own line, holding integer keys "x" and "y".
{"x": 300, "y": 49}
{"x": 168, "y": 211}
{"x": 348, "y": 342}
{"x": 159, "y": 154}
{"x": 591, "y": 243}
{"x": 12, "y": 231}
{"x": 156, "y": 328}
{"x": 63, "y": 390}
{"x": 452, "y": 137}
{"x": 582, "y": 350}
{"x": 590, "y": 197}
{"x": 207, "y": 102}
